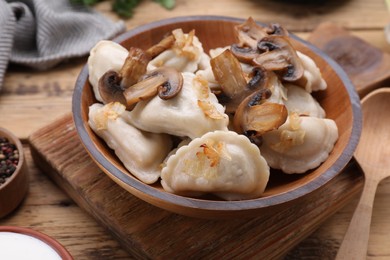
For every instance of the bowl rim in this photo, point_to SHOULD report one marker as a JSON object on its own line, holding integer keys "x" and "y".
{"x": 48, "y": 240}
{"x": 213, "y": 205}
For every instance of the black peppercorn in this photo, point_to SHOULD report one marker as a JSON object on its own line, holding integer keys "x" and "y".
{"x": 9, "y": 159}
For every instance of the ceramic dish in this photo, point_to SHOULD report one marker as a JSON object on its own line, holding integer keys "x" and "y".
{"x": 340, "y": 102}
{"x": 26, "y": 243}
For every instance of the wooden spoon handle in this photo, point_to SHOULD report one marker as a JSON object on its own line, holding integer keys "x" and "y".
{"x": 355, "y": 242}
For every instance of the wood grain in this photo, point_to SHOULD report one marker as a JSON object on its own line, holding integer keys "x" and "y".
{"x": 372, "y": 153}
{"x": 31, "y": 98}
{"x": 366, "y": 65}
{"x": 47, "y": 209}
{"x": 52, "y": 211}
{"x": 46, "y": 95}
{"x": 296, "y": 15}
{"x": 146, "y": 231}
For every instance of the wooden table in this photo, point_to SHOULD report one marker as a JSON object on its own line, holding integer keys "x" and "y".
{"x": 32, "y": 99}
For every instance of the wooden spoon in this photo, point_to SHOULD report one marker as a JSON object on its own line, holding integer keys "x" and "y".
{"x": 372, "y": 153}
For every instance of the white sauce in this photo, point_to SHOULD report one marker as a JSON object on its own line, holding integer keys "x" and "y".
{"x": 15, "y": 246}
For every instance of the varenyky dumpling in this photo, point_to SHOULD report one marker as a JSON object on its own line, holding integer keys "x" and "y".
{"x": 302, "y": 102}
{"x": 185, "y": 55}
{"x": 279, "y": 92}
{"x": 208, "y": 75}
{"x": 141, "y": 153}
{"x": 104, "y": 56}
{"x": 192, "y": 113}
{"x": 312, "y": 77}
{"x": 222, "y": 163}
{"x": 300, "y": 144}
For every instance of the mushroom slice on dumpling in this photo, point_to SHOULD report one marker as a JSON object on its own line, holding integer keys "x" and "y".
{"x": 193, "y": 112}
{"x": 104, "y": 56}
{"x": 302, "y": 102}
{"x": 300, "y": 144}
{"x": 141, "y": 153}
{"x": 223, "y": 163}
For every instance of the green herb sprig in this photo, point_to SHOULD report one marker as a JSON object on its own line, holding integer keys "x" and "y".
{"x": 125, "y": 8}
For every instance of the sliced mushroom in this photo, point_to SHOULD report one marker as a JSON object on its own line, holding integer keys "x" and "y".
{"x": 229, "y": 75}
{"x": 244, "y": 54}
{"x": 249, "y": 33}
{"x": 163, "y": 45}
{"x": 134, "y": 67}
{"x": 112, "y": 84}
{"x": 110, "y": 88}
{"x": 256, "y": 115}
{"x": 279, "y": 56}
{"x": 276, "y": 29}
{"x": 173, "y": 84}
{"x": 259, "y": 78}
{"x": 167, "y": 82}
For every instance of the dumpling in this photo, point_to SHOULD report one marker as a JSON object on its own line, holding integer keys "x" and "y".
{"x": 208, "y": 75}
{"x": 312, "y": 77}
{"x": 104, "y": 56}
{"x": 204, "y": 61}
{"x": 141, "y": 153}
{"x": 222, "y": 163}
{"x": 302, "y": 102}
{"x": 192, "y": 113}
{"x": 279, "y": 92}
{"x": 300, "y": 144}
{"x": 184, "y": 56}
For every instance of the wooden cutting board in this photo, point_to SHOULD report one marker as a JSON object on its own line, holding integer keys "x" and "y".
{"x": 146, "y": 231}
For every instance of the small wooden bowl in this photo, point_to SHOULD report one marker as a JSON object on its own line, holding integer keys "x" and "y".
{"x": 340, "y": 102}
{"x": 51, "y": 242}
{"x": 15, "y": 188}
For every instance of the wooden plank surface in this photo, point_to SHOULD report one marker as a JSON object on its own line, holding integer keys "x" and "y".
{"x": 31, "y": 99}
{"x": 45, "y": 95}
{"x": 366, "y": 65}
{"x": 48, "y": 209}
{"x": 148, "y": 232}
{"x": 296, "y": 15}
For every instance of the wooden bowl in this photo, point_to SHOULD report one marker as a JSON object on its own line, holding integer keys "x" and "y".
{"x": 340, "y": 102}
{"x": 59, "y": 249}
{"x": 15, "y": 188}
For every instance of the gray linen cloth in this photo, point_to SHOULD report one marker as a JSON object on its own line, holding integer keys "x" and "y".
{"x": 42, "y": 33}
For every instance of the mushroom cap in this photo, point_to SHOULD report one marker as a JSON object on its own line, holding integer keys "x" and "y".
{"x": 259, "y": 79}
{"x": 277, "y": 54}
{"x": 112, "y": 84}
{"x": 249, "y": 33}
{"x": 244, "y": 54}
{"x": 134, "y": 67}
{"x": 256, "y": 116}
{"x": 276, "y": 29}
{"x": 230, "y": 76}
{"x": 110, "y": 88}
{"x": 165, "y": 81}
{"x": 173, "y": 84}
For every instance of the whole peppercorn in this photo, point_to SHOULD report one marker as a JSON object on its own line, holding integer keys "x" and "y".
{"x": 9, "y": 159}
